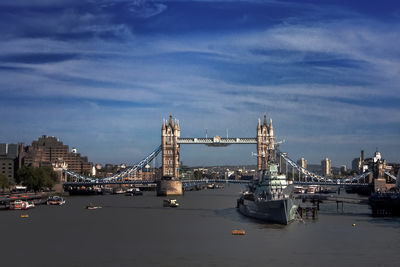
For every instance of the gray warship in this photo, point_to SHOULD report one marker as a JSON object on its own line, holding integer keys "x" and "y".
{"x": 270, "y": 197}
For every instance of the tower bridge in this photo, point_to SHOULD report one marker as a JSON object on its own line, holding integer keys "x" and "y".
{"x": 171, "y": 141}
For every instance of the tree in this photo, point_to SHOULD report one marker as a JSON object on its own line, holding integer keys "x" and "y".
{"x": 197, "y": 175}
{"x": 36, "y": 178}
{"x": 4, "y": 182}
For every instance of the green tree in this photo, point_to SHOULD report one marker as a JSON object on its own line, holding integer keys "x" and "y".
{"x": 197, "y": 175}
{"x": 36, "y": 178}
{"x": 4, "y": 182}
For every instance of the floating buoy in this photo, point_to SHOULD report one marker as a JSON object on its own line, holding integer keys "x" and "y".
{"x": 353, "y": 224}
{"x": 24, "y": 216}
{"x": 238, "y": 232}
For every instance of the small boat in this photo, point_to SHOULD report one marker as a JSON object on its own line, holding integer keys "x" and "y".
{"x": 210, "y": 186}
{"x": 21, "y": 205}
{"x": 133, "y": 192}
{"x": 238, "y": 232}
{"x": 24, "y": 215}
{"x": 119, "y": 191}
{"x": 93, "y": 207}
{"x": 298, "y": 190}
{"x": 55, "y": 200}
{"x": 312, "y": 189}
{"x": 172, "y": 203}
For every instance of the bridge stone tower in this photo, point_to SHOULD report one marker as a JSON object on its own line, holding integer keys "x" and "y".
{"x": 170, "y": 133}
{"x": 265, "y": 143}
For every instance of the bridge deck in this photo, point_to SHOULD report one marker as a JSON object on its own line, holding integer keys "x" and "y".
{"x": 217, "y": 141}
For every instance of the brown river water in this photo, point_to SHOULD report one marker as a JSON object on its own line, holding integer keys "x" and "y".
{"x": 139, "y": 231}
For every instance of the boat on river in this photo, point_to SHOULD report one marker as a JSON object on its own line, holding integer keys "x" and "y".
{"x": 172, "y": 203}
{"x": 133, "y": 192}
{"x": 21, "y": 205}
{"x": 91, "y": 206}
{"x": 55, "y": 200}
{"x": 270, "y": 198}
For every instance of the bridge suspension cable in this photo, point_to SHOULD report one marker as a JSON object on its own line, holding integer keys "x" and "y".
{"x": 299, "y": 168}
{"x": 118, "y": 176}
{"x": 319, "y": 178}
{"x": 391, "y": 175}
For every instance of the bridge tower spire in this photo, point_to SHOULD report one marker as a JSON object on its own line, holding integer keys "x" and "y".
{"x": 170, "y": 148}
{"x": 265, "y": 143}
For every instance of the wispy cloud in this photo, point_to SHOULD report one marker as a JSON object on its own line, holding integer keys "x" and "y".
{"x": 112, "y": 69}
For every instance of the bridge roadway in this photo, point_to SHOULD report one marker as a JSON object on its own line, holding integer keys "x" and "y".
{"x": 198, "y": 182}
{"x": 217, "y": 141}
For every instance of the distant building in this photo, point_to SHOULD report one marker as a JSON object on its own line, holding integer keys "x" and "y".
{"x": 326, "y": 167}
{"x": 47, "y": 151}
{"x": 343, "y": 169}
{"x": 356, "y": 164}
{"x": 302, "y": 163}
{"x": 10, "y": 160}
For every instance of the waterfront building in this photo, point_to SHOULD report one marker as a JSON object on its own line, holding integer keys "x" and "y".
{"x": 10, "y": 160}
{"x": 326, "y": 167}
{"x": 48, "y": 150}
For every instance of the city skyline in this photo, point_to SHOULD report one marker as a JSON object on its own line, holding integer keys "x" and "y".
{"x": 102, "y": 75}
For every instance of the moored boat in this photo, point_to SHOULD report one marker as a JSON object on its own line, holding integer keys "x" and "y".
{"x": 21, "y": 205}
{"x": 119, "y": 191}
{"x": 270, "y": 198}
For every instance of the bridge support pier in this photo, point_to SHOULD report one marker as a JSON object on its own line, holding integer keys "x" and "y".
{"x": 169, "y": 188}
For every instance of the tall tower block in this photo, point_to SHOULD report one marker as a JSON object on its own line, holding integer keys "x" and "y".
{"x": 170, "y": 133}
{"x": 265, "y": 143}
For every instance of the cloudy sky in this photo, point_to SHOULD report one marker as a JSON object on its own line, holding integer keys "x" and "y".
{"x": 102, "y": 74}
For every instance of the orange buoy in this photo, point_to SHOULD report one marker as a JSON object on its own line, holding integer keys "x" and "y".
{"x": 238, "y": 232}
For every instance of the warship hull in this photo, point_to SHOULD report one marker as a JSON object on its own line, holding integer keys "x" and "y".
{"x": 282, "y": 211}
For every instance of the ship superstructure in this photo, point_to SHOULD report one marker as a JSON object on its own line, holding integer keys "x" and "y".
{"x": 270, "y": 197}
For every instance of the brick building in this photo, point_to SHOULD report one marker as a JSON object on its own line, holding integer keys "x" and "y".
{"x": 48, "y": 150}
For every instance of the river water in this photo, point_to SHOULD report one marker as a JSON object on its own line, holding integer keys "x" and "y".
{"x": 139, "y": 231}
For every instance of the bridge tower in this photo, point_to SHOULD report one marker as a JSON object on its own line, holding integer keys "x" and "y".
{"x": 170, "y": 133}
{"x": 265, "y": 143}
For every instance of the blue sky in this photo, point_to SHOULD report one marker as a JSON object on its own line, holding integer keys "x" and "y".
{"x": 101, "y": 75}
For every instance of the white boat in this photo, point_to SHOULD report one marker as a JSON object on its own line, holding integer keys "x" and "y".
{"x": 210, "y": 186}
{"x": 172, "y": 203}
{"x": 21, "y": 205}
{"x": 55, "y": 200}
